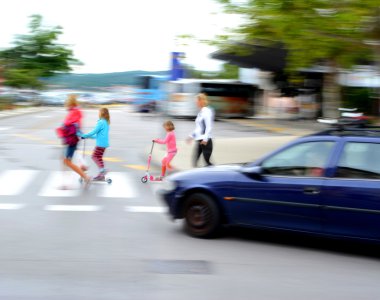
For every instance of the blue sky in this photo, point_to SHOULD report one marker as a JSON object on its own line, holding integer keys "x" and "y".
{"x": 121, "y": 35}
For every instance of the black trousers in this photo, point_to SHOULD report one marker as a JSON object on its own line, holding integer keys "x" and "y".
{"x": 205, "y": 149}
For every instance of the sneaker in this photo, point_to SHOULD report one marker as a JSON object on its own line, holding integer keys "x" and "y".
{"x": 99, "y": 177}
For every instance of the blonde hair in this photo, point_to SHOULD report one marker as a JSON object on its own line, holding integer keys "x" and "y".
{"x": 203, "y": 97}
{"x": 105, "y": 114}
{"x": 169, "y": 125}
{"x": 71, "y": 101}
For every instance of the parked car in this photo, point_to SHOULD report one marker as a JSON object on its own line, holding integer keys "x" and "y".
{"x": 324, "y": 184}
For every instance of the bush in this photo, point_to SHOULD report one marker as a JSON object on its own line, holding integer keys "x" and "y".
{"x": 360, "y": 98}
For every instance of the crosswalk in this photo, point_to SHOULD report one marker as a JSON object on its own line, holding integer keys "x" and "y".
{"x": 122, "y": 186}
{"x": 28, "y": 185}
{"x": 84, "y": 208}
{"x": 65, "y": 184}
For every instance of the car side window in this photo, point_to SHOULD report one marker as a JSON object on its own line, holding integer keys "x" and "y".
{"x": 359, "y": 160}
{"x": 305, "y": 159}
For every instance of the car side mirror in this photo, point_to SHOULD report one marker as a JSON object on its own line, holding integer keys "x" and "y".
{"x": 255, "y": 171}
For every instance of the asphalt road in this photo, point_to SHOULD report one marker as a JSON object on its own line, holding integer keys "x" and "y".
{"x": 115, "y": 241}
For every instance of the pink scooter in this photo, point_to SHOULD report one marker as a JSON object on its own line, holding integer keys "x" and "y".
{"x": 148, "y": 177}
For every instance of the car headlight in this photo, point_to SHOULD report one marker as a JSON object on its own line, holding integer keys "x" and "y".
{"x": 168, "y": 185}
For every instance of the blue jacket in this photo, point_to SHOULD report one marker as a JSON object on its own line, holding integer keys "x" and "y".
{"x": 100, "y": 132}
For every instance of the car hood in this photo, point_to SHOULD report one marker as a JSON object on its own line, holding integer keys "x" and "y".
{"x": 202, "y": 172}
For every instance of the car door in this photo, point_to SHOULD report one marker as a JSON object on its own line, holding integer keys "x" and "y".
{"x": 351, "y": 198}
{"x": 287, "y": 194}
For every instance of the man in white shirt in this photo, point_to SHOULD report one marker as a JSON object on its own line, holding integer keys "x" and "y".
{"x": 202, "y": 132}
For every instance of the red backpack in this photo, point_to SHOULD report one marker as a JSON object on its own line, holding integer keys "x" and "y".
{"x": 69, "y": 134}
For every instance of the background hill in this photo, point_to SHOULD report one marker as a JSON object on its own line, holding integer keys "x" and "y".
{"x": 91, "y": 81}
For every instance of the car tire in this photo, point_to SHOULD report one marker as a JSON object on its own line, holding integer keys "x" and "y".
{"x": 202, "y": 216}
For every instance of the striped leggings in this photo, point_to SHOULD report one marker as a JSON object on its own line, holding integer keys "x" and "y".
{"x": 97, "y": 156}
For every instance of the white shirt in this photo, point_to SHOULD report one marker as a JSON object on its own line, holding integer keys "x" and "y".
{"x": 203, "y": 124}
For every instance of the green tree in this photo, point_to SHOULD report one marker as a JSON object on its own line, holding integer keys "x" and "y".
{"x": 337, "y": 34}
{"x": 228, "y": 72}
{"x": 35, "y": 56}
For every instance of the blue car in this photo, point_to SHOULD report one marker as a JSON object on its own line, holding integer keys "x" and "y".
{"x": 325, "y": 184}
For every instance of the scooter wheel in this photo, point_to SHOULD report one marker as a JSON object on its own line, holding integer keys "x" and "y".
{"x": 109, "y": 180}
{"x": 144, "y": 179}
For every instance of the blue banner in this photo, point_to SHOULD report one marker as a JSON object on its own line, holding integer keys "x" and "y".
{"x": 177, "y": 68}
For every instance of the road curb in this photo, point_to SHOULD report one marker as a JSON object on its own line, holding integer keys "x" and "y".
{"x": 276, "y": 126}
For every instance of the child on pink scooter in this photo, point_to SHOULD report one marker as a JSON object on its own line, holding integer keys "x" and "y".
{"x": 171, "y": 146}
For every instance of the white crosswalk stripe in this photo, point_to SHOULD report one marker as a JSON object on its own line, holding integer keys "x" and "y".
{"x": 14, "y": 182}
{"x": 11, "y": 206}
{"x": 61, "y": 184}
{"x": 146, "y": 209}
{"x": 121, "y": 186}
{"x": 73, "y": 207}
{"x": 65, "y": 184}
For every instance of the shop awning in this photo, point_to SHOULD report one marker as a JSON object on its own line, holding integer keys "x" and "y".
{"x": 260, "y": 57}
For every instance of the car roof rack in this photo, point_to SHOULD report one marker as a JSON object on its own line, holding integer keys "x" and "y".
{"x": 350, "y": 122}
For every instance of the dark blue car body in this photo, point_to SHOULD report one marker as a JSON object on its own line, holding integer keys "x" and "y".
{"x": 342, "y": 199}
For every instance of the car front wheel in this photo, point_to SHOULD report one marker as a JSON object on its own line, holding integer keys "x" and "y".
{"x": 202, "y": 216}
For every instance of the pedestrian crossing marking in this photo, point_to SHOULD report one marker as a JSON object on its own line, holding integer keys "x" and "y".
{"x": 86, "y": 208}
{"x": 61, "y": 184}
{"x": 13, "y": 182}
{"x": 66, "y": 184}
{"x": 146, "y": 209}
{"x": 121, "y": 186}
{"x": 11, "y": 206}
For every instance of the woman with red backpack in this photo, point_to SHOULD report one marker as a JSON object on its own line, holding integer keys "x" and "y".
{"x": 68, "y": 133}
